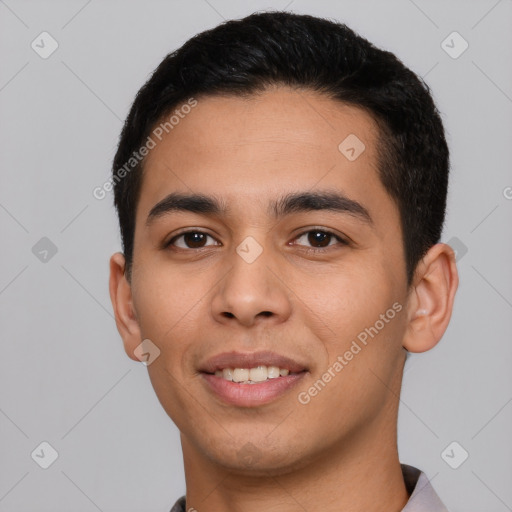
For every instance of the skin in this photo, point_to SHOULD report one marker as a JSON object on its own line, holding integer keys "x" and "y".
{"x": 339, "y": 451}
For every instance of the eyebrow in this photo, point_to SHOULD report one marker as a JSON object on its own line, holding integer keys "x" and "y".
{"x": 291, "y": 203}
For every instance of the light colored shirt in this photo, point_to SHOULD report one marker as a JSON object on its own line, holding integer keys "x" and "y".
{"x": 422, "y": 497}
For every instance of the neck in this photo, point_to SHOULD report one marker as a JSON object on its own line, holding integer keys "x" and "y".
{"x": 362, "y": 475}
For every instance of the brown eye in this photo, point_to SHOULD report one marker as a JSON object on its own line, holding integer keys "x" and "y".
{"x": 190, "y": 240}
{"x": 319, "y": 239}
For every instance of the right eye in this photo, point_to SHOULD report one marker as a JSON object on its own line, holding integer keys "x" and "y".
{"x": 190, "y": 240}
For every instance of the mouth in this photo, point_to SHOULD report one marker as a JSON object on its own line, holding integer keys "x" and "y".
{"x": 251, "y": 379}
{"x": 252, "y": 375}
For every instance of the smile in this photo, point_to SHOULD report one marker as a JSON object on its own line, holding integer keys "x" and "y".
{"x": 251, "y": 379}
{"x": 252, "y": 375}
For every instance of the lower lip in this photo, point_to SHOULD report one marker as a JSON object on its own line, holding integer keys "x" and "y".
{"x": 251, "y": 395}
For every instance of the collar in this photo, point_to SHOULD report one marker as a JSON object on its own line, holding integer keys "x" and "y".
{"x": 422, "y": 496}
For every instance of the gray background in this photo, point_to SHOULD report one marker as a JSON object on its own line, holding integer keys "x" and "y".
{"x": 64, "y": 376}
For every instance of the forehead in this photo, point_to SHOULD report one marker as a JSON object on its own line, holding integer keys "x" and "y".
{"x": 251, "y": 150}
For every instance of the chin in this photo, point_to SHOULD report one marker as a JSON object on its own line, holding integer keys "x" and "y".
{"x": 257, "y": 457}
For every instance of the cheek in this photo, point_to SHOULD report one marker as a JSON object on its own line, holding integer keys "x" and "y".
{"x": 365, "y": 315}
{"x": 360, "y": 379}
{"x": 349, "y": 299}
{"x": 168, "y": 303}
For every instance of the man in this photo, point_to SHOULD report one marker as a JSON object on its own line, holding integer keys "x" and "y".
{"x": 281, "y": 188}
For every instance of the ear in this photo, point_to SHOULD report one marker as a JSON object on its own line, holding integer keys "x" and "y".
{"x": 430, "y": 301}
{"x": 121, "y": 297}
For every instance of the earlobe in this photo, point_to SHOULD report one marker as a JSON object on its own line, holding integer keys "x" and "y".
{"x": 122, "y": 303}
{"x": 430, "y": 301}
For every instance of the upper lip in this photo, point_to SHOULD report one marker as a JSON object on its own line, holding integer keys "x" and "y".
{"x": 250, "y": 360}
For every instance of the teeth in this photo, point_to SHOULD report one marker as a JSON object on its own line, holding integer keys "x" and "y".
{"x": 258, "y": 374}
{"x": 252, "y": 375}
{"x": 240, "y": 374}
{"x": 227, "y": 374}
{"x": 273, "y": 372}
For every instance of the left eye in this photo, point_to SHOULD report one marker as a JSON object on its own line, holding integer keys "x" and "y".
{"x": 319, "y": 238}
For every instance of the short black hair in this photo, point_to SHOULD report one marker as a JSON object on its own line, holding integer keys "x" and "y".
{"x": 250, "y": 55}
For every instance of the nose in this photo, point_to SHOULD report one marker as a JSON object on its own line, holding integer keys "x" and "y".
{"x": 252, "y": 292}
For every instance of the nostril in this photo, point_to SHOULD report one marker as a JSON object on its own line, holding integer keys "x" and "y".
{"x": 231, "y": 315}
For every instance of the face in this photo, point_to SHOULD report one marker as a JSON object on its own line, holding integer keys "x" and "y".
{"x": 293, "y": 260}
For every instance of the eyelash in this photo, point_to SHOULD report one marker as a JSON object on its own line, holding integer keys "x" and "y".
{"x": 341, "y": 240}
